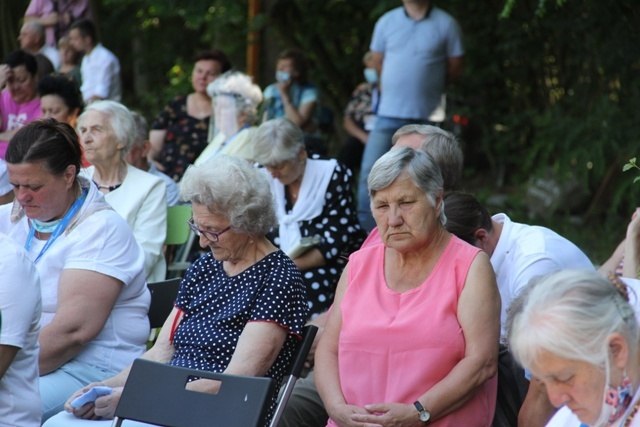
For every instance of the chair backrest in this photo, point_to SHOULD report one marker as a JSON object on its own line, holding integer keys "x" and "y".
{"x": 155, "y": 393}
{"x": 177, "y": 228}
{"x": 163, "y": 295}
{"x": 295, "y": 369}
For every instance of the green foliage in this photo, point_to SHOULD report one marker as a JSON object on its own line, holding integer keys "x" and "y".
{"x": 556, "y": 91}
{"x": 632, "y": 165}
{"x": 549, "y": 84}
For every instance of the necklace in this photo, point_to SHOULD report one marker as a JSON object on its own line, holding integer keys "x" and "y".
{"x": 110, "y": 188}
{"x": 633, "y": 412}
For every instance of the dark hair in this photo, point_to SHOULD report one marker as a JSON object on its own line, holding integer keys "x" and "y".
{"x": 214, "y": 55}
{"x": 300, "y": 63}
{"x": 465, "y": 216}
{"x": 21, "y": 57}
{"x": 65, "y": 87}
{"x": 54, "y": 144}
{"x": 87, "y": 28}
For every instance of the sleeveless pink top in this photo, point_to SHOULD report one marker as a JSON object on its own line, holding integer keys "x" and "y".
{"x": 393, "y": 347}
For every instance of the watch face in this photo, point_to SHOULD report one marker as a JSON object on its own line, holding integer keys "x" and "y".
{"x": 424, "y": 416}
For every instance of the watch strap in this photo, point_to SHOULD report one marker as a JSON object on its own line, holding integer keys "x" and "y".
{"x": 422, "y": 411}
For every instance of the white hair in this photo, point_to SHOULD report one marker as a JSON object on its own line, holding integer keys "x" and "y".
{"x": 239, "y": 85}
{"x": 571, "y": 314}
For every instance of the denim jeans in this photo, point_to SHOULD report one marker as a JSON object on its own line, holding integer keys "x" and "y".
{"x": 58, "y": 386}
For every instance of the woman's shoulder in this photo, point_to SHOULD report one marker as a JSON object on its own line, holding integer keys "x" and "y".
{"x": 270, "y": 91}
{"x": 143, "y": 178}
{"x": 277, "y": 261}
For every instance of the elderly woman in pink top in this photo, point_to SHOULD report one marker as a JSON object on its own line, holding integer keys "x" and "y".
{"x": 412, "y": 337}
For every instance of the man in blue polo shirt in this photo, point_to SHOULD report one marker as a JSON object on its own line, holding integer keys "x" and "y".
{"x": 417, "y": 49}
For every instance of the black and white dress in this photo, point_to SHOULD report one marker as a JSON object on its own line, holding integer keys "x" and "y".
{"x": 327, "y": 184}
{"x": 217, "y": 307}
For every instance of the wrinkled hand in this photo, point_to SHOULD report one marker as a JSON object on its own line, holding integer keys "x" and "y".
{"x": 633, "y": 229}
{"x": 345, "y": 416}
{"x": 390, "y": 415}
{"x": 283, "y": 88}
{"x": 103, "y": 407}
{"x": 5, "y": 72}
{"x": 311, "y": 357}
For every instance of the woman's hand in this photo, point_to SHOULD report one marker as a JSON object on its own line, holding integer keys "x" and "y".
{"x": 390, "y": 415}
{"x": 103, "y": 408}
{"x": 5, "y": 72}
{"x": 350, "y": 415}
{"x": 283, "y": 88}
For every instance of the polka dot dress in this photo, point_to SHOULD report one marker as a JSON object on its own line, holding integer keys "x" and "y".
{"x": 341, "y": 234}
{"x": 217, "y": 307}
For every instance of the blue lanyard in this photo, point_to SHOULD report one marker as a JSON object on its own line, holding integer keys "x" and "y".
{"x": 60, "y": 228}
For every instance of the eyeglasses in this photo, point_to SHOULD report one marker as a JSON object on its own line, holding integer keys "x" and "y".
{"x": 214, "y": 237}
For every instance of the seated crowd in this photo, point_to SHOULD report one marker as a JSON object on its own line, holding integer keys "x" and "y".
{"x": 417, "y": 318}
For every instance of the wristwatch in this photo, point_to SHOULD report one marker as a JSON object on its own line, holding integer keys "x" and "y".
{"x": 424, "y": 415}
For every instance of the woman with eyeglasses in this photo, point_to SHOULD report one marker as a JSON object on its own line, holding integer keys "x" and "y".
{"x": 94, "y": 297}
{"x": 317, "y": 224}
{"x": 240, "y": 308}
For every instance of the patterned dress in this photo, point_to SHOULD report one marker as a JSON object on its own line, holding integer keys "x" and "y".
{"x": 186, "y": 137}
{"x": 217, "y": 307}
{"x": 341, "y": 234}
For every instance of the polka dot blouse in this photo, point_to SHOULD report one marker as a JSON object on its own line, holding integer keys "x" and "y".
{"x": 217, "y": 307}
{"x": 341, "y": 234}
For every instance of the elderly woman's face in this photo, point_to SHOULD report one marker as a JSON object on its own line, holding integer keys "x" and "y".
{"x": 288, "y": 171}
{"x": 22, "y": 85}
{"x": 577, "y": 384}
{"x": 405, "y": 218}
{"x": 98, "y": 139}
{"x": 230, "y": 245}
{"x": 42, "y": 195}
{"x": 204, "y": 72}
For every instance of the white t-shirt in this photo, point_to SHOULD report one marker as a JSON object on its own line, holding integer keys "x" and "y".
{"x": 20, "y": 309}
{"x": 97, "y": 239}
{"x": 526, "y": 251}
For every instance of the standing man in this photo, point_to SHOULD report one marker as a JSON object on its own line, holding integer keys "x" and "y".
{"x": 417, "y": 49}
{"x": 100, "y": 69}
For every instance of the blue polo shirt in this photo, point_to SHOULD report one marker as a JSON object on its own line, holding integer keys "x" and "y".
{"x": 415, "y": 60}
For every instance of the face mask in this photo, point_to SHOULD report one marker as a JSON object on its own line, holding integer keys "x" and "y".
{"x": 616, "y": 401}
{"x": 283, "y": 76}
{"x": 45, "y": 227}
{"x": 371, "y": 75}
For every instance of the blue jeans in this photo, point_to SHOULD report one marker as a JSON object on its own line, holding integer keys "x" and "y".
{"x": 379, "y": 142}
{"x": 59, "y": 385}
